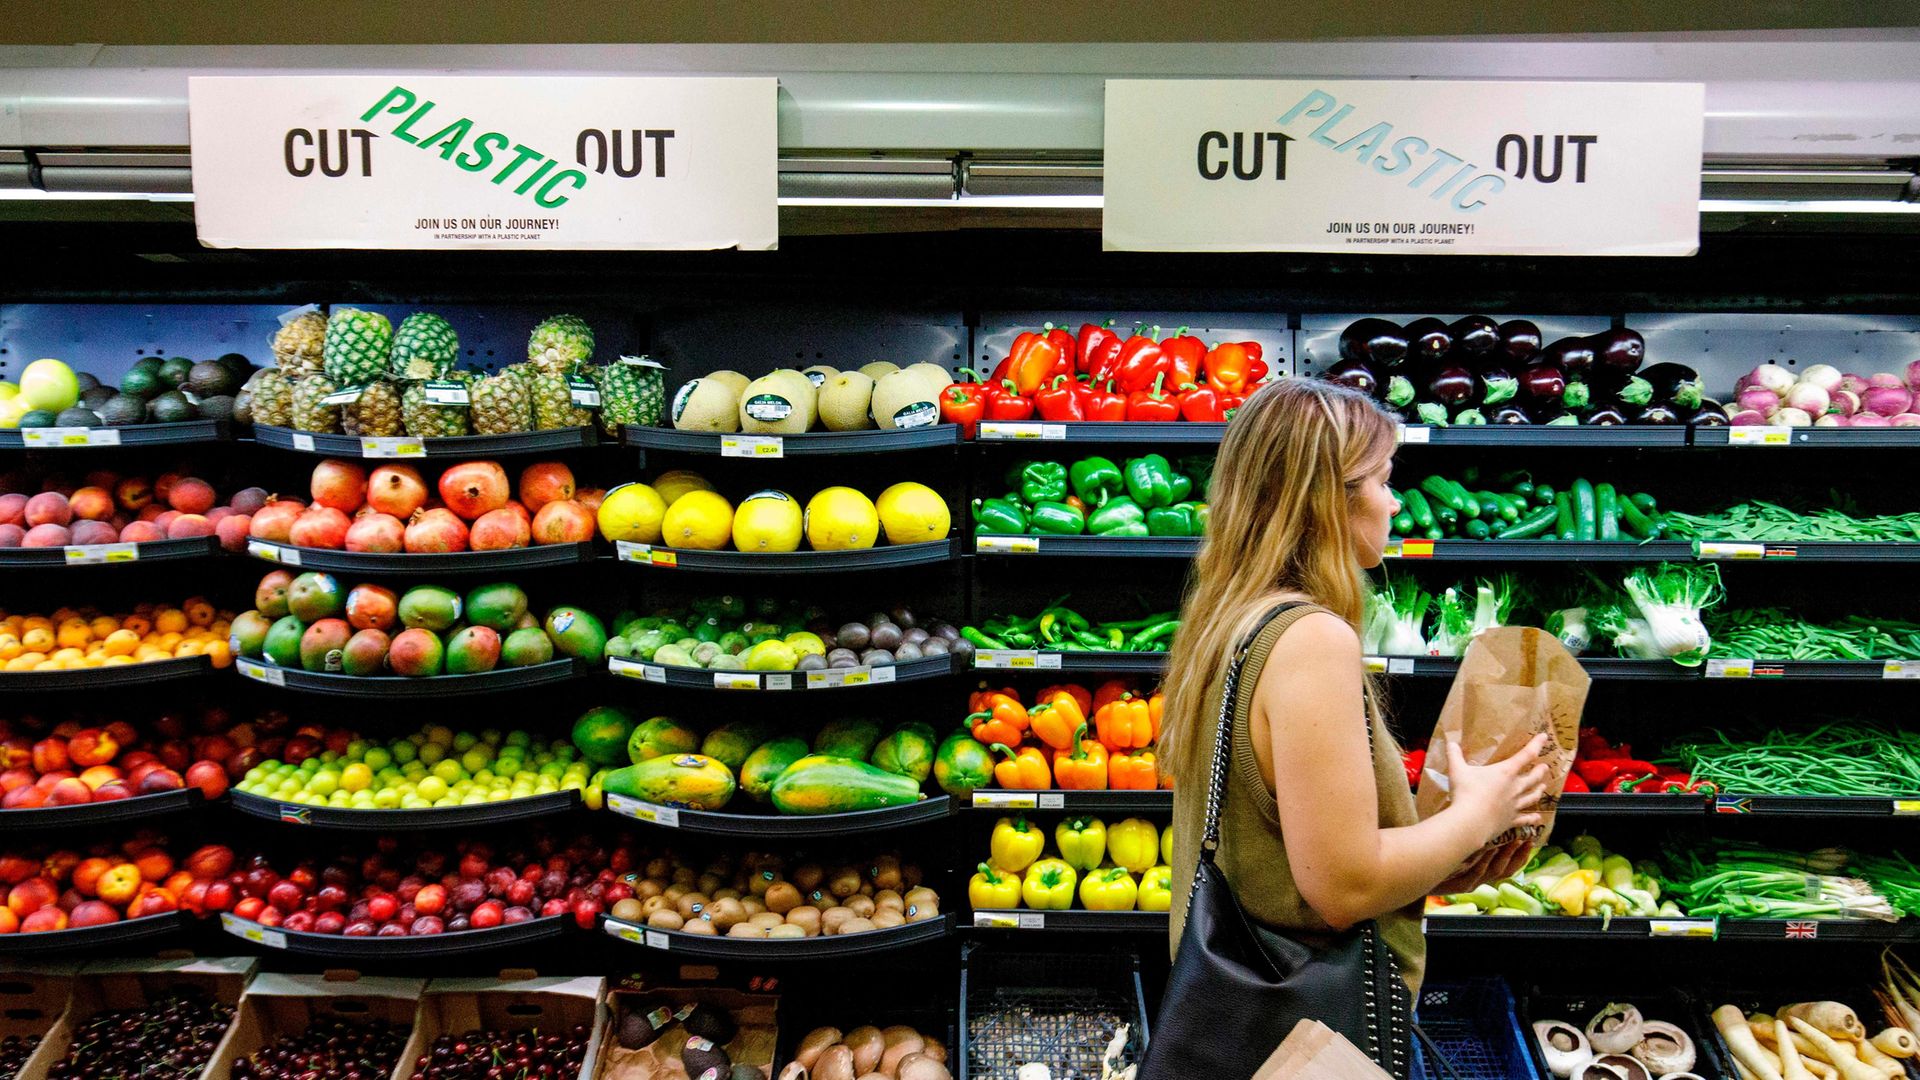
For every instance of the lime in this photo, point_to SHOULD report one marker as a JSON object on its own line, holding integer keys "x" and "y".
{"x": 476, "y": 759}
{"x": 432, "y": 753}
{"x": 377, "y": 758}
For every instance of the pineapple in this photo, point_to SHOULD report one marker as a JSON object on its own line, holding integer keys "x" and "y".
{"x": 308, "y": 413}
{"x": 560, "y": 343}
{"x": 376, "y": 412}
{"x": 272, "y": 398}
{"x": 632, "y": 392}
{"x": 501, "y": 405}
{"x": 297, "y": 345}
{"x": 553, "y": 403}
{"x": 429, "y": 421}
{"x": 424, "y": 347}
{"x": 355, "y": 352}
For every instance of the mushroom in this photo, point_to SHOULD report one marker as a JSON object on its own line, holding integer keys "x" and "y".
{"x": 1613, "y": 1067}
{"x": 1663, "y": 1048}
{"x": 1563, "y": 1045}
{"x": 1615, "y": 1030}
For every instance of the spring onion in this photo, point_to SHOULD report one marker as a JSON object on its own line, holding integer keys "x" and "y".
{"x": 1740, "y": 880}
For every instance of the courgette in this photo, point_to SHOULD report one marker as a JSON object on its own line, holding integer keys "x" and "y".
{"x": 1639, "y": 524}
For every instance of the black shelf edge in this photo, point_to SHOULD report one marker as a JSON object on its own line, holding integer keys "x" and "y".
{"x": 690, "y": 678}
{"x": 1030, "y": 432}
{"x": 785, "y": 826}
{"x": 1599, "y": 667}
{"x": 1814, "y": 437}
{"x": 1146, "y": 663}
{"x": 455, "y": 562}
{"x": 1138, "y": 922}
{"x": 153, "y": 671}
{"x": 315, "y": 682}
{"x": 1556, "y": 926}
{"x": 1811, "y": 551}
{"x": 526, "y": 442}
{"x": 1414, "y": 550}
{"x": 1762, "y": 670}
{"x": 1818, "y": 930}
{"x": 111, "y": 935}
{"x": 1106, "y": 547}
{"x": 764, "y": 950}
{"x": 190, "y": 431}
{"x": 1597, "y": 804}
{"x": 811, "y": 444}
{"x": 373, "y": 947}
{"x": 788, "y": 562}
{"x": 506, "y": 811}
{"x": 136, "y": 808}
{"x": 1111, "y": 802}
{"x": 199, "y": 547}
{"x": 1633, "y": 436}
{"x": 1816, "y": 806}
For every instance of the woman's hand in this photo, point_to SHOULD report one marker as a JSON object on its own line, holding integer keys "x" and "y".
{"x": 1486, "y": 865}
{"x": 1502, "y": 795}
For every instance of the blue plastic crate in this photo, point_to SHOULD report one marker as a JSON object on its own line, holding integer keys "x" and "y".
{"x": 1474, "y": 1025}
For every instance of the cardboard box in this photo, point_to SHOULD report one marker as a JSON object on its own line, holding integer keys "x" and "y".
{"x": 277, "y": 1005}
{"x": 33, "y": 997}
{"x": 514, "y": 1001}
{"x": 109, "y": 985}
{"x": 753, "y": 1045}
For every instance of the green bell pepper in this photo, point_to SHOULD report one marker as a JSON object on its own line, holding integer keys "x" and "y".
{"x": 1182, "y": 485}
{"x": 1199, "y": 467}
{"x": 998, "y": 517}
{"x": 1120, "y": 517}
{"x": 1150, "y": 481}
{"x": 1095, "y": 480}
{"x": 1056, "y": 519}
{"x": 1178, "y": 520}
{"x": 1043, "y": 481}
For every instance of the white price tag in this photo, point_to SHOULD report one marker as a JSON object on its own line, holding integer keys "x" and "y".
{"x": 998, "y": 920}
{"x": 1052, "y": 800}
{"x": 735, "y": 680}
{"x": 1710, "y": 549}
{"x": 54, "y": 437}
{"x": 1729, "y": 669}
{"x": 1688, "y": 928}
{"x": 584, "y": 393}
{"x": 1032, "y": 920}
{"x": 1759, "y": 435}
{"x": 102, "y": 553}
{"x": 1006, "y": 800}
{"x": 646, "y": 554}
{"x": 1006, "y": 545}
{"x": 346, "y": 395}
{"x": 1415, "y": 433}
{"x": 446, "y": 393}
{"x": 1906, "y": 807}
{"x": 1900, "y": 669}
{"x": 392, "y": 446}
{"x": 1001, "y": 429}
{"x": 853, "y": 676}
{"x": 1399, "y": 665}
{"x": 634, "y": 669}
{"x": 753, "y": 446}
{"x": 259, "y": 672}
{"x": 302, "y": 441}
{"x": 664, "y": 816}
{"x": 778, "y": 681}
{"x": 252, "y": 931}
{"x": 260, "y": 549}
{"x": 1010, "y": 659}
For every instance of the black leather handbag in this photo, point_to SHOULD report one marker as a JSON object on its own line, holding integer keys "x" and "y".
{"x": 1238, "y": 987}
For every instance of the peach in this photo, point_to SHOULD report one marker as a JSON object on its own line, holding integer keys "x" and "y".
{"x": 191, "y": 495}
{"x": 134, "y": 494}
{"x": 50, "y": 755}
{"x": 210, "y": 861}
{"x": 274, "y": 522}
{"x": 396, "y": 490}
{"x": 47, "y": 780}
{"x": 92, "y": 746}
{"x": 219, "y": 514}
{"x": 24, "y": 797}
{"x": 48, "y": 508}
{"x": 150, "y": 512}
{"x": 499, "y": 529}
{"x": 435, "y": 532}
{"x": 320, "y": 526}
{"x": 31, "y": 895}
{"x": 112, "y": 789}
{"x": 154, "y": 864}
{"x": 119, "y": 885}
{"x": 92, "y": 503}
{"x": 87, "y": 532}
{"x": 15, "y": 869}
{"x": 249, "y": 500}
{"x": 70, "y": 792}
{"x": 233, "y": 531}
{"x": 163, "y": 486}
{"x": 377, "y": 532}
{"x": 159, "y": 780}
{"x": 46, "y": 918}
{"x": 165, "y": 518}
{"x": 92, "y": 913}
{"x": 13, "y": 778}
{"x": 99, "y": 775}
{"x": 13, "y": 509}
{"x": 12, "y": 536}
{"x": 189, "y": 526}
{"x": 153, "y": 902}
{"x": 472, "y": 488}
{"x": 210, "y": 778}
{"x": 47, "y": 535}
{"x": 543, "y": 482}
{"x": 563, "y": 521}
{"x": 339, "y": 484}
{"x": 141, "y": 532}
{"x": 86, "y": 875}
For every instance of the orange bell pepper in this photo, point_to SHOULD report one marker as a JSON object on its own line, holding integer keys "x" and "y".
{"x": 1024, "y": 770}
{"x": 1080, "y": 693}
{"x": 1031, "y": 362}
{"x": 1157, "y": 708}
{"x": 1126, "y": 724}
{"x": 1133, "y": 772}
{"x": 982, "y": 698}
{"x": 1111, "y": 690}
{"x": 1083, "y": 769}
{"x": 1058, "y": 721}
{"x": 1001, "y": 719}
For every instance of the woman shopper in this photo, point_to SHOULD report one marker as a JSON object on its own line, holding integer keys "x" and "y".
{"x": 1318, "y": 843}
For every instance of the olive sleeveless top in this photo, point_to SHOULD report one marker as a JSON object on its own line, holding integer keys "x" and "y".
{"x": 1251, "y": 853}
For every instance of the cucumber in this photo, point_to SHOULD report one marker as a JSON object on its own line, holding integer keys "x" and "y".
{"x": 1489, "y": 506}
{"x": 818, "y": 784}
{"x": 1607, "y": 507}
{"x": 1537, "y": 522}
{"x": 1476, "y": 528}
{"x": 1543, "y": 495}
{"x": 1563, "y": 515}
{"x": 1403, "y": 524}
{"x": 1644, "y": 501}
{"x": 1637, "y": 523}
{"x": 1584, "y": 511}
{"x": 1446, "y": 494}
{"x": 1417, "y": 506}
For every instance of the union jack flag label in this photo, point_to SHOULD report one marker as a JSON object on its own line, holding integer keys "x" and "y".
{"x": 1803, "y": 930}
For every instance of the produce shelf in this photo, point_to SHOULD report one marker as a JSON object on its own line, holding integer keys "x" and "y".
{"x": 1105, "y": 547}
{"x": 153, "y": 671}
{"x": 1819, "y": 930}
{"x": 691, "y": 678}
{"x": 114, "y": 935}
{"x": 189, "y": 431}
{"x": 1599, "y": 667}
{"x": 1138, "y": 922}
{"x": 1130, "y": 432}
{"x": 455, "y": 562}
{"x": 1598, "y": 804}
{"x": 137, "y": 808}
{"x": 1093, "y": 802}
{"x": 1798, "y": 670}
{"x": 375, "y": 948}
{"x": 1808, "y": 551}
{"x": 1146, "y": 663}
{"x": 1621, "y": 436}
{"x": 1827, "y": 438}
{"x": 380, "y": 686}
{"x": 763, "y": 950}
{"x": 199, "y": 547}
{"x": 1538, "y": 551}
{"x": 1814, "y": 806}
{"x": 811, "y": 444}
{"x": 785, "y": 826}
{"x": 1555, "y": 926}
{"x": 398, "y": 821}
{"x": 788, "y": 562}
{"x": 460, "y": 446}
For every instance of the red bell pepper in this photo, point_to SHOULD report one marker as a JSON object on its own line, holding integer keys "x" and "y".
{"x": 1201, "y": 403}
{"x": 1229, "y": 368}
{"x": 1005, "y": 403}
{"x": 1067, "y": 347}
{"x": 1030, "y": 362}
{"x": 1702, "y": 787}
{"x": 1099, "y": 351}
{"x": 964, "y": 403}
{"x": 1574, "y": 783}
{"x": 1063, "y": 400}
{"x": 1141, "y": 362}
{"x": 1105, "y": 404}
{"x": 1184, "y": 354}
{"x": 1256, "y": 367}
{"x": 1152, "y": 405}
{"x": 1599, "y": 772}
{"x": 1230, "y": 404}
{"x": 1632, "y": 783}
{"x": 1416, "y": 762}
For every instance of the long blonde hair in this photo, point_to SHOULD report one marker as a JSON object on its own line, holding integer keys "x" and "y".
{"x": 1279, "y": 521}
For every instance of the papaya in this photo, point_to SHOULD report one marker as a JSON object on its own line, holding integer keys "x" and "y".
{"x": 731, "y": 743}
{"x": 690, "y": 781}
{"x": 819, "y": 784}
{"x": 961, "y": 764}
{"x": 851, "y": 738}
{"x": 906, "y": 751}
{"x": 766, "y": 763}
{"x": 660, "y": 736}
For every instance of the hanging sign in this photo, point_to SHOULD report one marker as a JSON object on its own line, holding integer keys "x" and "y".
{"x": 1403, "y": 166}
{"x": 445, "y": 162}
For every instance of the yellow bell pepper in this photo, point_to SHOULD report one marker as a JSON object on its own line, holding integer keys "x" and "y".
{"x": 1082, "y": 842}
{"x": 1570, "y": 892}
{"x": 1134, "y": 844}
{"x": 1166, "y": 846}
{"x": 1111, "y": 889}
{"x": 1015, "y": 844}
{"x": 1156, "y": 889}
{"x": 991, "y": 888}
{"x": 1048, "y": 886}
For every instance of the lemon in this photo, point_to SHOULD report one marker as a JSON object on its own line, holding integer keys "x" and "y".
{"x": 49, "y": 385}
{"x": 806, "y": 642}
{"x": 841, "y": 519}
{"x": 12, "y": 409}
{"x": 632, "y": 512}
{"x": 913, "y": 514}
{"x": 698, "y": 519}
{"x": 8, "y": 390}
{"x": 772, "y": 655}
{"x": 672, "y": 485}
{"x": 767, "y": 521}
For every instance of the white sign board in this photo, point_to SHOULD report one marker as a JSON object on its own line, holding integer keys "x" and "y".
{"x": 444, "y": 162}
{"x": 1403, "y": 167}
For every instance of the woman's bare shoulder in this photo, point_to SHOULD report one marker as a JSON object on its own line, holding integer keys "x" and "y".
{"x": 1318, "y": 636}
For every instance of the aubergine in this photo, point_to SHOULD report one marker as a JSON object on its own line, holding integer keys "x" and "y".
{"x": 1399, "y": 393}
{"x": 1374, "y": 341}
{"x": 1657, "y": 414}
{"x": 1429, "y": 338}
{"x": 1499, "y": 383}
{"x": 1453, "y": 385}
{"x": 1676, "y": 384}
{"x": 1607, "y": 415}
{"x": 1710, "y": 414}
{"x": 1544, "y": 382}
{"x": 1475, "y": 335}
{"x": 1519, "y": 341}
{"x": 1573, "y": 355}
{"x": 1509, "y": 414}
{"x": 1356, "y": 375}
{"x": 1619, "y": 350}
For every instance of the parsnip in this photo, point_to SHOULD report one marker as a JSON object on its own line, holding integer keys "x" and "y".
{"x": 1896, "y": 1043}
{"x": 1831, "y": 1017}
{"x": 1790, "y": 1066}
{"x": 1746, "y": 1049}
{"x": 1871, "y": 1055}
{"x": 1847, "y": 1061}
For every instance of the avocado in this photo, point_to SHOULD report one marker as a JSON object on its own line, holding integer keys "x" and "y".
{"x": 36, "y": 418}
{"x": 711, "y": 1024}
{"x": 123, "y": 409}
{"x": 87, "y": 380}
{"x": 171, "y": 407}
{"x": 97, "y": 396}
{"x": 217, "y": 407}
{"x": 705, "y": 1060}
{"x": 78, "y": 416}
{"x": 636, "y": 1031}
{"x": 239, "y": 365}
{"x": 141, "y": 381}
{"x": 210, "y": 377}
{"x": 148, "y": 364}
{"x": 174, "y": 370}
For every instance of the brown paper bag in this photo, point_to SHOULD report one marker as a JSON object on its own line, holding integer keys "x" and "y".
{"x": 1314, "y": 1051}
{"x": 1514, "y": 683}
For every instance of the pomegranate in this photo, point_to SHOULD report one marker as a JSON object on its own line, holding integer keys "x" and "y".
{"x": 339, "y": 484}
{"x": 590, "y": 498}
{"x": 435, "y": 532}
{"x": 275, "y": 521}
{"x": 319, "y": 527}
{"x": 379, "y": 533}
{"x": 544, "y": 482}
{"x": 563, "y": 521}
{"x": 499, "y": 529}
{"x": 472, "y": 488}
{"x": 396, "y": 490}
